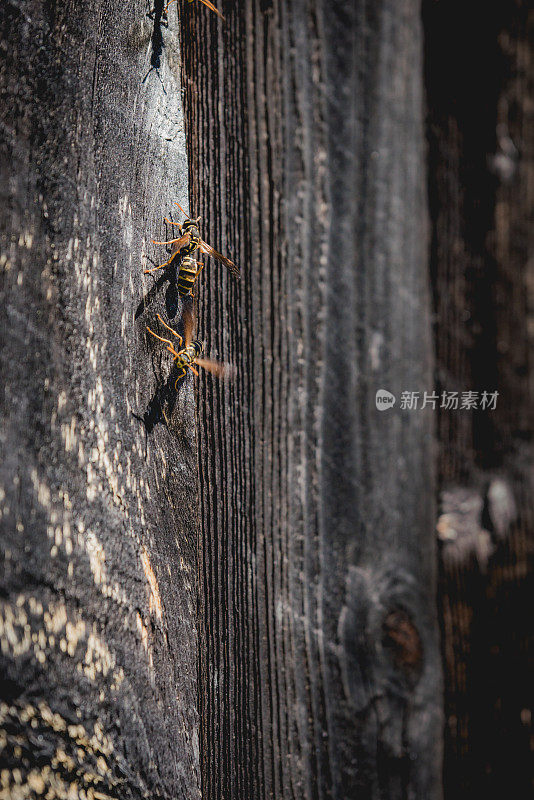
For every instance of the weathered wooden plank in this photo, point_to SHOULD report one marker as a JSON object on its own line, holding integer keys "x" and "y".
{"x": 320, "y": 664}
{"x": 98, "y": 514}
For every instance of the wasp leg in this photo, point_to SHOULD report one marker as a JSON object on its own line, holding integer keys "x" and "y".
{"x": 160, "y": 266}
{"x": 193, "y": 370}
{"x": 168, "y": 4}
{"x": 179, "y": 378}
{"x": 174, "y": 352}
{"x": 179, "y": 224}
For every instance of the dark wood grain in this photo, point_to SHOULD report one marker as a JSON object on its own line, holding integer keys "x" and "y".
{"x": 98, "y": 493}
{"x": 320, "y": 662}
{"x": 480, "y": 77}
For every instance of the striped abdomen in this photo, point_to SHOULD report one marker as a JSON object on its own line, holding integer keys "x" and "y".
{"x": 187, "y": 274}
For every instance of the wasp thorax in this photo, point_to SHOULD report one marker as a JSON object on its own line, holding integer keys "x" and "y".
{"x": 190, "y": 226}
{"x": 199, "y": 347}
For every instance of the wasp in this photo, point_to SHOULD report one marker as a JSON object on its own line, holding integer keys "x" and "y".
{"x": 190, "y": 352}
{"x": 206, "y": 3}
{"x": 186, "y": 245}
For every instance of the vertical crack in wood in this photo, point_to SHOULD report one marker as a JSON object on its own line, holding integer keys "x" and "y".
{"x": 97, "y": 494}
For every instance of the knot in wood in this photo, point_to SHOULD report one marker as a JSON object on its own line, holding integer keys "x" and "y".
{"x": 401, "y": 639}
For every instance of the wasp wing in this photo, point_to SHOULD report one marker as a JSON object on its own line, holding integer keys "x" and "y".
{"x": 230, "y": 266}
{"x": 223, "y": 371}
{"x": 189, "y": 324}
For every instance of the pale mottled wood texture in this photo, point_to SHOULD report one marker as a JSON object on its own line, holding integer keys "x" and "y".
{"x": 98, "y": 513}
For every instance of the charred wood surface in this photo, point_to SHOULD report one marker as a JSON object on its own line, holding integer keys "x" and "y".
{"x": 98, "y": 468}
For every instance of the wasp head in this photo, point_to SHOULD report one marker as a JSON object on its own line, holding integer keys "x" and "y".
{"x": 190, "y": 226}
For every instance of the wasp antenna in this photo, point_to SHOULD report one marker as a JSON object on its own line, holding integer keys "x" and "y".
{"x": 173, "y": 351}
{"x": 167, "y": 341}
{"x": 168, "y": 327}
{"x": 212, "y": 7}
{"x": 181, "y": 209}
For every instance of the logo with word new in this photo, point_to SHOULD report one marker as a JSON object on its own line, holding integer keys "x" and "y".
{"x": 384, "y": 400}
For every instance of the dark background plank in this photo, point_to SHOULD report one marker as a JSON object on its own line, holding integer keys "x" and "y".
{"x": 480, "y": 76}
{"x": 320, "y": 672}
{"x": 98, "y": 514}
